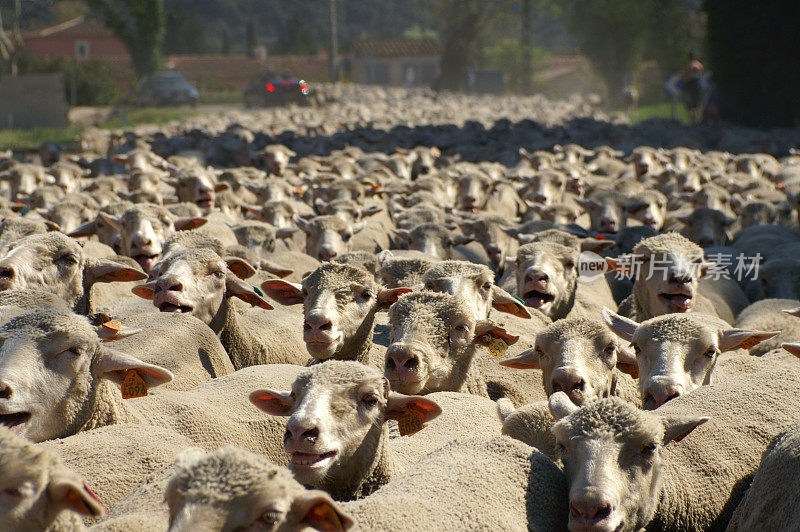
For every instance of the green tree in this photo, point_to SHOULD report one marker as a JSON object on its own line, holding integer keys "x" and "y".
{"x": 612, "y": 34}
{"x": 461, "y": 24}
{"x": 139, "y": 24}
{"x": 673, "y": 33}
{"x": 754, "y": 53}
{"x": 298, "y": 38}
{"x": 250, "y": 41}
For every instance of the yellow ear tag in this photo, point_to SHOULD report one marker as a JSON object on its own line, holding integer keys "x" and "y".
{"x": 133, "y": 385}
{"x": 113, "y": 325}
{"x": 750, "y": 342}
{"x": 496, "y": 346}
{"x": 409, "y": 423}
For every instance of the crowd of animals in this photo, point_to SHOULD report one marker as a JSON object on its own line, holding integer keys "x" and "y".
{"x": 372, "y": 314}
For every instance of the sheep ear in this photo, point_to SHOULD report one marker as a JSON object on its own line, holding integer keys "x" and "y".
{"x": 528, "y": 359}
{"x": 283, "y": 292}
{"x": 68, "y": 491}
{"x": 274, "y": 269}
{"x": 114, "y": 365}
{"x": 86, "y": 229}
{"x": 145, "y": 291}
{"x": 677, "y": 428}
{"x": 398, "y": 404}
{"x": 792, "y": 348}
{"x": 106, "y": 271}
{"x": 240, "y": 267}
{"x": 285, "y": 232}
{"x": 505, "y": 302}
{"x": 108, "y": 329}
{"x": 387, "y": 296}
{"x": 595, "y": 245}
{"x": 371, "y": 210}
{"x": 301, "y": 222}
{"x": 113, "y": 221}
{"x": 221, "y": 187}
{"x": 793, "y": 312}
{"x": 560, "y": 405}
{"x": 460, "y": 240}
{"x": 486, "y": 330}
{"x": 235, "y": 287}
{"x": 626, "y": 361}
{"x": 184, "y": 224}
{"x": 316, "y": 510}
{"x": 730, "y": 339}
{"x": 404, "y": 234}
{"x": 274, "y": 403}
{"x": 620, "y": 325}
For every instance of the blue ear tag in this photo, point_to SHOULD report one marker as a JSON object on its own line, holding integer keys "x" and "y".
{"x": 519, "y": 299}
{"x": 257, "y": 290}
{"x": 25, "y": 210}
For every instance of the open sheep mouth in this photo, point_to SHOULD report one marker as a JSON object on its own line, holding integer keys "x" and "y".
{"x": 311, "y": 460}
{"x": 172, "y": 307}
{"x": 146, "y": 261}
{"x": 536, "y": 299}
{"x": 15, "y": 421}
{"x": 680, "y": 302}
{"x": 205, "y": 203}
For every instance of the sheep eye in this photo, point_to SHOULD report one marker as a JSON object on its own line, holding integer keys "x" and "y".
{"x": 461, "y": 328}
{"x": 540, "y": 352}
{"x": 271, "y": 517}
{"x": 636, "y": 349}
{"x": 569, "y": 265}
{"x": 370, "y": 400}
{"x": 560, "y": 449}
{"x": 13, "y": 492}
{"x": 609, "y": 348}
{"x": 711, "y": 352}
{"x": 67, "y": 259}
{"x": 304, "y": 293}
{"x": 487, "y": 286}
{"x": 649, "y": 450}
{"x": 219, "y": 274}
{"x": 366, "y": 295}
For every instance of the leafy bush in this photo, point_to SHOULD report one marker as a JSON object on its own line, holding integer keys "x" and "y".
{"x": 94, "y": 80}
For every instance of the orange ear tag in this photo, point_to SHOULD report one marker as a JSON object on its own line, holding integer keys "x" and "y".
{"x": 409, "y": 423}
{"x": 133, "y": 385}
{"x": 750, "y": 342}
{"x": 496, "y": 346}
{"x": 113, "y": 325}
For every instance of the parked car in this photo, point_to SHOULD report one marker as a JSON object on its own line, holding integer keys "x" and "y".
{"x": 266, "y": 90}
{"x": 166, "y": 88}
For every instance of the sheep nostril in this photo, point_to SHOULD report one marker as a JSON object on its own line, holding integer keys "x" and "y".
{"x": 411, "y": 364}
{"x": 7, "y": 272}
{"x": 578, "y": 385}
{"x": 390, "y": 364}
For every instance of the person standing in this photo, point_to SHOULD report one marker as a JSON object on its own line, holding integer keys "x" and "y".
{"x": 692, "y": 88}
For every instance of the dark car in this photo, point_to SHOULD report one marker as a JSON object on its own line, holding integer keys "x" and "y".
{"x": 266, "y": 90}
{"x": 166, "y": 88}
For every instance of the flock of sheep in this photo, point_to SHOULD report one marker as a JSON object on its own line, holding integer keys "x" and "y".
{"x": 385, "y": 312}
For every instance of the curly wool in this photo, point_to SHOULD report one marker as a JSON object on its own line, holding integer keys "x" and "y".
{"x": 667, "y": 243}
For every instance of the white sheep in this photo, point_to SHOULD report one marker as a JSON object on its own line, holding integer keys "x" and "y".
{"x": 38, "y": 491}
{"x": 624, "y": 473}
{"x": 678, "y": 353}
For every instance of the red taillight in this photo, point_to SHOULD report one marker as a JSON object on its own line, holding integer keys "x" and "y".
{"x": 270, "y": 87}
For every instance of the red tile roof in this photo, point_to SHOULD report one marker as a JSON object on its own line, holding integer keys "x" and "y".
{"x": 398, "y": 48}
{"x": 76, "y": 27}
